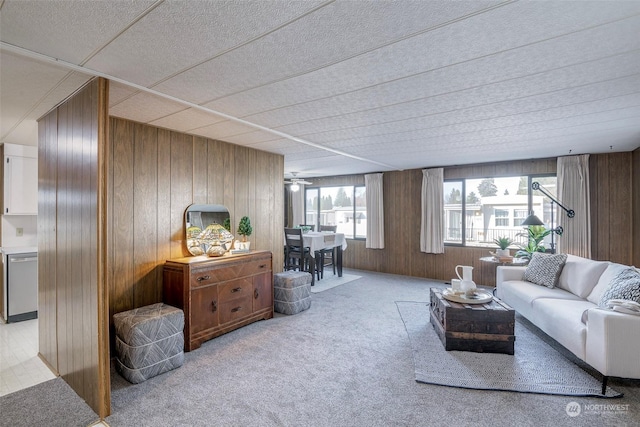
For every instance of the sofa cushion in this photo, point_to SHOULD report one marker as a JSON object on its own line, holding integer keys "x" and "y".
{"x": 580, "y": 275}
{"x": 604, "y": 280}
{"x": 544, "y": 269}
{"x": 562, "y": 321}
{"x": 626, "y": 286}
{"x": 520, "y": 295}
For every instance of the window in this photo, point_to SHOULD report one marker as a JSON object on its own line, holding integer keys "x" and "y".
{"x": 344, "y": 206}
{"x": 519, "y": 215}
{"x": 502, "y": 217}
{"x": 477, "y": 211}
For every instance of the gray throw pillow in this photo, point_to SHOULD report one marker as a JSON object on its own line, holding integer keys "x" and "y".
{"x": 626, "y": 285}
{"x": 544, "y": 269}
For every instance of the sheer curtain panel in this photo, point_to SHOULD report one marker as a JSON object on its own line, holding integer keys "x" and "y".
{"x": 573, "y": 192}
{"x": 375, "y": 211}
{"x": 432, "y": 224}
{"x": 297, "y": 206}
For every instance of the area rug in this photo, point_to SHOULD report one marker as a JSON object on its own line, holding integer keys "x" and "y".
{"x": 331, "y": 281}
{"x": 51, "y": 403}
{"x": 536, "y": 367}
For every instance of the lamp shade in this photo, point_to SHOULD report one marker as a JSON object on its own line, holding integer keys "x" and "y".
{"x": 532, "y": 220}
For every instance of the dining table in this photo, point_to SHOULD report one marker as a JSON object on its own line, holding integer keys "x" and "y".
{"x": 317, "y": 240}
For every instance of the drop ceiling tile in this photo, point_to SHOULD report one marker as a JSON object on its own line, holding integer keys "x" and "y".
{"x": 434, "y": 113}
{"x": 453, "y": 88}
{"x": 29, "y": 89}
{"x": 188, "y": 120}
{"x": 25, "y": 133}
{"x": 118, "y": 92}
{"x": 254, "y": 137}
{"x": 331, "y": 34}
{"x": 68, "y": 30}
{"x": 439, "y": 51}
{"x": 185, "y": 36}
{"x": 223, "y": 129}
{"x": 145, "y": 108}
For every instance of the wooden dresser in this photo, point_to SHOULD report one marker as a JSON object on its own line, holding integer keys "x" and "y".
{"x": 219, "y": 295}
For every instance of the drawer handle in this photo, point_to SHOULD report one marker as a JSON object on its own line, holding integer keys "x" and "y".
{"x": 214, "y": 306}
{"x": 201, "y": 278}
{"x": 234, "y": 290}
{"x": 256, "y": 294}
{"x": 236, "y": 309}
{"x": 263, "y": 265}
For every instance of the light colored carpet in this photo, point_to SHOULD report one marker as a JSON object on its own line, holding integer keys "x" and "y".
{"x": 534, "y": 368}
{"x": 331, "y": 281}
{"x": 51, "y": 403}
{"x": 347, "y": 361}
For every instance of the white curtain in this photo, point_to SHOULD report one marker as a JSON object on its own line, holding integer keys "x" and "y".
{"x": 432, "y": 224}
{"x": 573, "y": 193}
{"x": 297, "y": 206}
{"x": 375, "y": 211}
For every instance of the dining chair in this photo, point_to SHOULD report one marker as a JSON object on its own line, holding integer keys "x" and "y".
{"x": 330, "y": 252}
{"x": 298, "y": 256}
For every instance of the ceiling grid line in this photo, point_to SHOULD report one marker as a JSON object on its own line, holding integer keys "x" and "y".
{"x": 422, "y": 72}
{"x": 497, "y": 82}
{"x": 479, "y": 106}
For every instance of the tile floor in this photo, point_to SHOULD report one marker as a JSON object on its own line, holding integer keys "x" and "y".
{"x": 20, "y": 366}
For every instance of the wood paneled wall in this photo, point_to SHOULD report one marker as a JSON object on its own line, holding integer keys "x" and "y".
{"x": 611, "y": 217}
{"x": 73, "y": 326}
{"x": 611, "y": 207}
{"x": 155, "y": 175}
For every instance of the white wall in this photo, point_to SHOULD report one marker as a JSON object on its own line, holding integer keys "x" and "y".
{"x": 29, "y": 225}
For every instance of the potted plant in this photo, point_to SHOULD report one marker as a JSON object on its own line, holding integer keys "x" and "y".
{"x": 244, "y": 230}
{"x": 535, "y": 235}
{"x": 503, "y": 243}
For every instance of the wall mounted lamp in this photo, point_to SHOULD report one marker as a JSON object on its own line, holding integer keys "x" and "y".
{"x": 534, "y": 220}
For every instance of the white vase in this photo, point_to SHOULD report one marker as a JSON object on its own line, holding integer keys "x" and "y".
{"x": 242, "y": 245}
{"x": 503, "y": 253}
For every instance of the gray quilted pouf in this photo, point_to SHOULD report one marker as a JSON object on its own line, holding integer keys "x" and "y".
{"x": 291, "y": 292}
{"x": 149, "y": 341}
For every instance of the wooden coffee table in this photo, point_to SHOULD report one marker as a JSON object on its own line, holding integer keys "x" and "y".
{"x": 483, "y": 328}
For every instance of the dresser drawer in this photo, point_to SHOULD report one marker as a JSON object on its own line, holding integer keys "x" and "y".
{"x": 235, "y": 309}
{"x": 235, "y": 290}
{"x": 229, "y": 271}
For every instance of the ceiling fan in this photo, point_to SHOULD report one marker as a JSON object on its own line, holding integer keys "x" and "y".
{"x": 296, "y": 181}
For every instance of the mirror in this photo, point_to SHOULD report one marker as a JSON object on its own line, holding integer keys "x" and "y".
{"x": 205, "y": 229}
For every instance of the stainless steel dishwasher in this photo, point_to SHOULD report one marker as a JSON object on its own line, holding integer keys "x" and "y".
{"x": 22, "y": 287}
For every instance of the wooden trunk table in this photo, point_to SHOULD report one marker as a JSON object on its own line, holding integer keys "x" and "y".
{"x": 483, "y": 328}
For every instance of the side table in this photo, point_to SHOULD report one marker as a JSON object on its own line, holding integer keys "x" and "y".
{"x": 493, "y": 262}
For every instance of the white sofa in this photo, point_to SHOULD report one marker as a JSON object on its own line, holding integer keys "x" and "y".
{"x": 607, "y": 340}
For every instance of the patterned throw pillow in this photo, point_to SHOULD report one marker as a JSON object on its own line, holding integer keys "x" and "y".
{"x": 544, "y": 269}
{"x": 626, "y": 285}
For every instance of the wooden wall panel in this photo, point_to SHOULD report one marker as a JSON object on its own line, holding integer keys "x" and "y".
{"x": 181, "y": 190}
{"x": 120, "y": 218}
{"x": 168, "y": 171}
{"x": 72, "y": 298}
{"x": 611, "y": 208}
{"x": 47, "y": 295}
{"x": 145, "y": 227}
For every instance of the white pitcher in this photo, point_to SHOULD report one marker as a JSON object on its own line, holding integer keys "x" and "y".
{"x": 466, "y": 281}
{"x": 467, "y": 272}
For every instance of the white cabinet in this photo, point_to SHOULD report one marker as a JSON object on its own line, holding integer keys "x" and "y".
{"x": 20, "y": 166}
